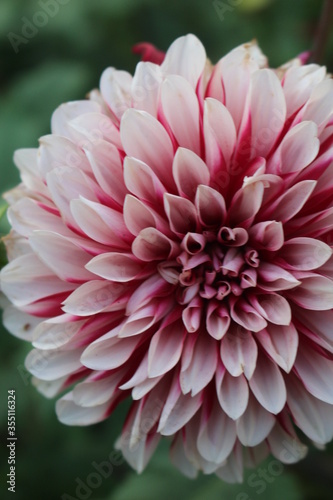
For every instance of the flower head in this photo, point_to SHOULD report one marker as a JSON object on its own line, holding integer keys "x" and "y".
{"x": 172, "y": 243}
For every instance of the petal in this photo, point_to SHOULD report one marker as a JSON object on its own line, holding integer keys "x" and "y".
{"x": 272, "y": 307}
{"x": 94, "y": 297}
{"x": 316, "y": 373}
{"x": 181, "y": 214}
{"x": 246, "y": 316}
{"x": 268, "y": 110}
{"x": 142, "y": 181}
{"x": 52, "y": 248}
{"x": 319, "y": 107}
{"x": 281, "y": 343}
{"x": 189, "y": 171}
{"x": 49, "y": 365}
{"x": 186, "y": 57}
{"x": 70, "y": 413}
{"x": 239, "y": 353}
{"x": 165, "y": 349}
{"x": 255, "y": 424}
{"x": 56, "y": 151}
{"x": 151, "y": 244}
{"x": 315, "y": 292}
{"x": 219, "y": 135}
{"x": 217, "y": 436}
{"x": 210, "y": 205}
{"x": 115, "y": 88}
{"x": 145, "y": 88}
{"x": 268, "y": 386}
{"x": 304, "y": 254}
{"x": 67, "y": 112}
{"x": 107, "y": 354}
{"x": 232, "y": 393}
{"x": 157, "y": 153}
{"x": 201, "y": 368}
{"x": 115, "y": 266}
{"x": 269, "y": 235}
{"x": 181, "y": 110}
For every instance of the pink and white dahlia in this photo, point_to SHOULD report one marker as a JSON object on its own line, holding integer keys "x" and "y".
{"x": 172, "y": 243}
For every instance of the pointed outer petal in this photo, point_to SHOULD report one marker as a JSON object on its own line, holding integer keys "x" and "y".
{"x": 66, "y": 184}
{"x": 115, "y": 266}
{"x": 217, "y": 320}
{"x": 153, "y": 287}
{"x": 145, "y": 387}
{"x": 319, "y": 107}
{"x": 94, "y": 127}
{"x": 202, "y": 366}
{"x": 140, "y": 375}
{"x": 56, "y": 332}
{"x": 94, "y": 297}
{"x": 181, "y": 109}
{"x": 151, "y": 244}
{"x": 245, "y": 204}
{"x": 49, "y": 365}
{"x": 275, "y": 278}
{"x": 139, "y": 455}
{"x": 145, "y": 87}
{"x": 144, "y": 318}
{"x": 255, "y": 424}
{"x": 272, "y": 307}
{"x": 217, "y": 435}
{"x": 186, "y": 57}
{"x": 298, "y": 149}
{"x": 94, "y": 392}
{"x": 285, "y": 447}
{"x": 269, "y": 235}
{"x": 304, "y": 254}
{"x": 49, "y": 388}
{"x": 181, "y": 213}
{"x": 26, "y": 280}
{"x": 165, "y": 349}
{"x": 291, "y": 201}
{"x": 219, "y": 134}
{"x": 101, "y": 223}
{"x": 315, "y": 293}
{"x": 110, "y": 353}
{"x": 178, "y": 410}
{"x": 26, "y": 215}
{"x": 157, "y": 152}
{"x": 210, "y": 205}
{"x": 15, "y": 245}
{"x": 280, "y": 343}
{"x": 215, "y": 86}
{"x": 56, "y": 151}
{"x": 189, "y": 170}
{"x": 115, "y": 88}
{"x": 67, "y": 112}
{"x": 179, "y": 459}
{"x": 319, "y": 324}
{"x": 236, "y": 68}
{"x": 69, "y": 413}
{"x": 312, "y": 416}
{"x": 313, "y": 225}
{"x": 298, "y": 84}
{"x": 268, "y": 110}
{"x": 232, "y": 393}
{"x": 26, "y": 160}
{"x": 232, "y": 471}
{"x": 141, "y": 180}
{"x": 146, "y": 418}
{"x": 268, "y": 386}
{"x": 105, "y": 162}
{"x": 61, "y": 255}
{"x": 316, "y": 373}
{"x": 239, "y": 353}
{"x": 137, "y": 215}
{"x": 247, "y": 316}
{"x": 18, "y": 323}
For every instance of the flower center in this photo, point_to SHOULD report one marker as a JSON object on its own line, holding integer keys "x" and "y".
{"x": 212, "y": 265}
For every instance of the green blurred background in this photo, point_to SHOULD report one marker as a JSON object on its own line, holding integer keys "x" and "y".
{"x": 62, "y": 61}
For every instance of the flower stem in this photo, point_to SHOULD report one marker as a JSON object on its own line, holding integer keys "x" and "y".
{"x": 322, "y": 32}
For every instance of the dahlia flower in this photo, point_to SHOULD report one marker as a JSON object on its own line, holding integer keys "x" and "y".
{"x": 171, "y": 243}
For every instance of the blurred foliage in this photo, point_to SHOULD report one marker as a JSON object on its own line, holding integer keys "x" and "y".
{"x": 62, "y": 61}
